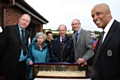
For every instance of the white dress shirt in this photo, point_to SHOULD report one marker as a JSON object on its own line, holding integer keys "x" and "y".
{"x": 107, "y": 28}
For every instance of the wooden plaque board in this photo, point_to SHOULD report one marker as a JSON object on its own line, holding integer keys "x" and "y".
{"x": 59, "y": 70}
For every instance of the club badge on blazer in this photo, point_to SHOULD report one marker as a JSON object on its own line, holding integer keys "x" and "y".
{"x": 109, "y": 52}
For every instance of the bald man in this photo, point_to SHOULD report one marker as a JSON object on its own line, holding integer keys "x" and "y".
{"x": 107, "y": 64}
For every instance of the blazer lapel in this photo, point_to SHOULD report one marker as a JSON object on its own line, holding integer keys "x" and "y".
{"x": 27, "y": 36}
{"x": 109, "y": 35}
{"x": 17, "y": 33}
{"x": 107, "y": 39}
{"x": 80, "y": 34}
{"x": 74, "y": 40}
{"x": 79, "y": 37}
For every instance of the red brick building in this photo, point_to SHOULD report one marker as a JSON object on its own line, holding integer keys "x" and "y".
{"x": 10, "y": 11}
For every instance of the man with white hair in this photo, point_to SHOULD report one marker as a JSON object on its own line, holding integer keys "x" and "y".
{"x": 62, "y": 47}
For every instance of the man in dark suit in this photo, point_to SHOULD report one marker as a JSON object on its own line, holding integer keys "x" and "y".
{"x": 61, "y": 48}
{"x": 107, "y": 64}
{"x": 13, "y": 50}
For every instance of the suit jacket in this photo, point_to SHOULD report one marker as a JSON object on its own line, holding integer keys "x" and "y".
{"x": 64, "y": 55}
{"x": 10, "y": 49}
{"x": 107, "y": 66}
{"x": 83, "y": 47}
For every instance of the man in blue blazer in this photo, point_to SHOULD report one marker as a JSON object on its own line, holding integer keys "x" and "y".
{"x": 11, "y": 49}
{"x": 107, "y": 64}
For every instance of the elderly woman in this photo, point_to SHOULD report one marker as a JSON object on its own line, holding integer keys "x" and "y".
{"x": 37, "y": 52}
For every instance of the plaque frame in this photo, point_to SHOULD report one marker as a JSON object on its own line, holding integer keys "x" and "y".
{"x": 44, "y": 70}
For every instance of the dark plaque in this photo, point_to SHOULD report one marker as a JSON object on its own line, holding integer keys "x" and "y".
{"x": 59, "y": 70}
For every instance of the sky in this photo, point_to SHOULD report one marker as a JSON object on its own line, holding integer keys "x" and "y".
{"x": 59, "y": 12}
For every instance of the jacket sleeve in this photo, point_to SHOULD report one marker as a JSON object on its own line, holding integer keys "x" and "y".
{"x": 89, "y": 44}
{"x": 4, "y": 36}
{"x": 29, "y": 55}
{"x": 47, "y": 56}
{"x": 53, "y": 58}
{"x": 71, "y": 53}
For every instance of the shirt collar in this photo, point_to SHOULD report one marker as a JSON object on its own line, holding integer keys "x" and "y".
{"x": 78, "y": 31}
{"x": 108, "y": 26}
{"x": 62, "y": 39}
{"x": 19, "y": 27}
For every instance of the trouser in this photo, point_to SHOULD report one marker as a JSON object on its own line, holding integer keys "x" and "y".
{"x": 19, "y": 73}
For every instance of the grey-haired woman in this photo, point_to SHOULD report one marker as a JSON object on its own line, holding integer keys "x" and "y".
{"x": 37, "y": 52}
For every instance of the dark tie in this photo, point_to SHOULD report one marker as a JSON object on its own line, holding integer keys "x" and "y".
{"x": 99, "y": 47}
{"x": 62, "y": 45}
{"x": 76, "y": 36}
{"x": 23, "y": 42}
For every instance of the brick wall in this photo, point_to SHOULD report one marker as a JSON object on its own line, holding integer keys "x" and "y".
{"x": 12, "y": 16}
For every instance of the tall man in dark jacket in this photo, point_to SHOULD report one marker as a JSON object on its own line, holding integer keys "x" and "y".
{"x": 107, "y": 64}
{"x": 13, "y": 50}
{"x": 62, "y": 47}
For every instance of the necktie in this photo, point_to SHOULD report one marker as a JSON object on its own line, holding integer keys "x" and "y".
{"x": 62, "y": 45}
{"x": 76, "y": 36}
{"x": 23, "y": 42}
{"x": 98, "y": 48}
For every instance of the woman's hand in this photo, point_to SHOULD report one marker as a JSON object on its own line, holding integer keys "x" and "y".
{"x": 30, "y": 62}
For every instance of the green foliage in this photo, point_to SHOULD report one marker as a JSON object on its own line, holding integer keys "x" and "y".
{"x": 56, "y": 34}
{"x": 70, "y": 34}
{"x": 97, "y": 32}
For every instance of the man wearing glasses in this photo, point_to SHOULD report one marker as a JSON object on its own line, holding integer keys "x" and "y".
{"x": 83, "y": 43}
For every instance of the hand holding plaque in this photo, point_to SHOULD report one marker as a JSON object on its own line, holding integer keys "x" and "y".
{"x": 81, "y": 61}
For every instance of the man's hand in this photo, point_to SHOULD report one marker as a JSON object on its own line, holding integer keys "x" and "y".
{"x": 81, "y": 61}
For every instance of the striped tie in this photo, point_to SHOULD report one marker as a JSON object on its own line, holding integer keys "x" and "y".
{"x": 23, "y": 42}
{"x": 99, "y": 47}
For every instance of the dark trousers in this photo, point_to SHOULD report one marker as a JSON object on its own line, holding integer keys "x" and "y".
{"x": 0, "y": 68}
{"x": 19, "y": 73}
